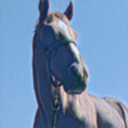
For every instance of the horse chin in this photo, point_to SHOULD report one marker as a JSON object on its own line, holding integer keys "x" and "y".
{"x": 76, "y": 89}
{"x": 74, "y": 85}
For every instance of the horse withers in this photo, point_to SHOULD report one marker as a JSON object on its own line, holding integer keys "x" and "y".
{"x": 58, "y": 67}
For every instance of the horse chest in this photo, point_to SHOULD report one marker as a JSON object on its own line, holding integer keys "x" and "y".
{"x": 77, "y": 117}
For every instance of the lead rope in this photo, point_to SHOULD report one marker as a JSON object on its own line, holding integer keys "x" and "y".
{"x": 55, "y": 107}
{"x": 55, "y": 101}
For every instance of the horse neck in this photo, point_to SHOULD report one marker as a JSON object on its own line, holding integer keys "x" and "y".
{"x": 42, "y": 86}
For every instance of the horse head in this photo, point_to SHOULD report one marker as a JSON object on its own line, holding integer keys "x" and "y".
{"x": 66, "y": 63}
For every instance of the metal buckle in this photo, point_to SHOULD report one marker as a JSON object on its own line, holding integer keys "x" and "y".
{"x": 55, "y": 104}
{"x": 50, "y": 53}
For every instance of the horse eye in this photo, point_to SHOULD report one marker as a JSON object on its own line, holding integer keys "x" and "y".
{"x": 47, "y": 29}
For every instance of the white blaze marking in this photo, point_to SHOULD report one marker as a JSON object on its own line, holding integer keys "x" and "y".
{"x": 74, "y": 49}
{"x": 64, "y": 28}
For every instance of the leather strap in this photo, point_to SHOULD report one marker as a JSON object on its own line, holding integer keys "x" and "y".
{"x": 50, "y": 51}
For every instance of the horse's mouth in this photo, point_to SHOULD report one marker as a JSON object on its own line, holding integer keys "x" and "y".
{"x": 77, "y": 89}
{"x": 74, "y": 82}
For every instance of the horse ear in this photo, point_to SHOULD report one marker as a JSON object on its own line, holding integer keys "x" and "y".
{"x": 43, "y": 8}
{"x": 69, "y": 11}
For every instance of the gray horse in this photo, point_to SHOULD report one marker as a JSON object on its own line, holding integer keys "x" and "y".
{"x": 57, "y": 60}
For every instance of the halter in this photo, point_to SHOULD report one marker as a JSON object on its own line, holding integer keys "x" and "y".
{"x": 49, "y": 52}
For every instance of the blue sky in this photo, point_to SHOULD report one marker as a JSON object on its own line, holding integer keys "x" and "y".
{"x": 102, "y": 28}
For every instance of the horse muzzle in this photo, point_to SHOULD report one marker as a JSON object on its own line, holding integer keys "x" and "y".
{"x": 75, "y": 80}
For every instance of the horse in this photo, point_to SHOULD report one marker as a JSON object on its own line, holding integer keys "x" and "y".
{"x": 60, "y": 75}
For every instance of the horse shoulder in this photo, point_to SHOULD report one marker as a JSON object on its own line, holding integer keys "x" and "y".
{"x": 108, "y": 113}
{"x": 120, "y": 108}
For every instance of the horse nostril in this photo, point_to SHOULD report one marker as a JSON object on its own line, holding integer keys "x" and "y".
{"x": 74, "y": 71}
